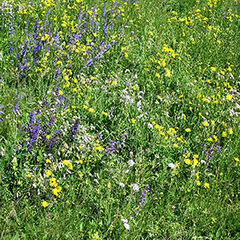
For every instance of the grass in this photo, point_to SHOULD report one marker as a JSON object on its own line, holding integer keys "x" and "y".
{"x": 119, "y": 120}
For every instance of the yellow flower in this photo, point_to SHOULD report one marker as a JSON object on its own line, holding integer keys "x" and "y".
{"x": 230, "y": 131}
{"x": 48, "y": 173}
{"x": 91, "y": 110}
{"x": 104, "y": 113}
{"x": 44, "y": 204}
{"x": 133, "y": 121}
{"x": 187, "y": 161}
{"x": 224, "y": 134}
{"x": 229, "y": 97}
{"x": 195, "y": 162}
{"x": 168, "y": 72}
{"x": 68, "y": 164}
{"x": 213, "y": 69}
{"x": 188, "y": 130}
{"x": 205, "y": 123}
{"x": 175, "y": 145}
{"x": 55, "y": 191}
{"x": 53, "y": 182}
{"x": 66, "y": 78}
{"x": 198, "y": 183}
{"x": 206, "y": 185}
{"x": 48, "y": 136}
{"x": 60, "y": 92}
{"x": 236, "y": 159}
{"x": 157, "y": 75}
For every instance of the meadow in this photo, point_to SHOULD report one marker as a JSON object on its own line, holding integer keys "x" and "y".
{"x": 119, "y": 119}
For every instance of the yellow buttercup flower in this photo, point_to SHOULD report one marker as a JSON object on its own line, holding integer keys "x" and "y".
{"x": 224, "y": 134}
{"x": 206, "y": 185}
{"x": 44, "y": 204}
{"x": 48, "y": 173}
{"x": 229, "y": 97}
{"x": 205, "y": 123}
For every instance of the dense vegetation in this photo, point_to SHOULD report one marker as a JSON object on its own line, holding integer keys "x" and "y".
{"x": 119, "y": 119}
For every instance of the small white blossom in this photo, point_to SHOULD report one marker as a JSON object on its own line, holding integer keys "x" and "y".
{"x": 121, "y": 184}
{"x": 125, "y": 223}
{"x": 135, "y": 187}
{"x": 127, "y": 226}
{"x": 150, "y": 125}
{"x": 131, "y": 163}
{"x": 171, "y": 165}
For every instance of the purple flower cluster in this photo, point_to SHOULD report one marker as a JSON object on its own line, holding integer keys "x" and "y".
{"x": 117, "y": 144}
{"x": 1, "y": 112}
{"x": 210, "y": 150}
{"x": 39, "y": 129}
{"x": 142, "y": 197}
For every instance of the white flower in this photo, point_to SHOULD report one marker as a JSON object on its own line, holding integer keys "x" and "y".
{"x": 124, "y": 220}
{"x": 127, "y": 226}
{"x": 125, "y": 223}
{"x": 135, "y": 187}
{"x": 131, "y": 163}
{"x": 171, "y": 165}
{"x": 150, "y": 125}
{"x": 121, "y": 184}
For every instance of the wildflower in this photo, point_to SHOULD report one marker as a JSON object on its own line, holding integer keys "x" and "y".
{"x": 57, "y": 190}
{"x": 53, "y": 182}
{"x": 135, "y": 187}
{"x": 198, "y": 183}
{"x": 229, "y": 97}
{"x": 236, "y": 159}
{"x": 121, "y": 184}
{"x": 48, "y": 173}
{"x": 133, "y": 121}
{"x": 206, "y": 185}
{"x": 104, "y": 113}
{"x": 213, "y": 69}
{"x": 205, "y": 124}
{"x": 187, "y": 130}
{"x": 68, "y": 164}
{"x": 168, "y": 72}
{"x": 188, "y": 161}
{"x": 111, "y": 171}
{"x": 224, "y": 134}
{"x": 171, "y": 165}
{"x": 91, "y": 110}
{"x": 175, "y": 145}
{"x": 44, "y": 204}
{"x": 60, "y": 92}
{"x": 230, "y": 131}
{"x": 125, "y": 223}
{"x": 48, "y": 137}
{"x": 131, "y": 163}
